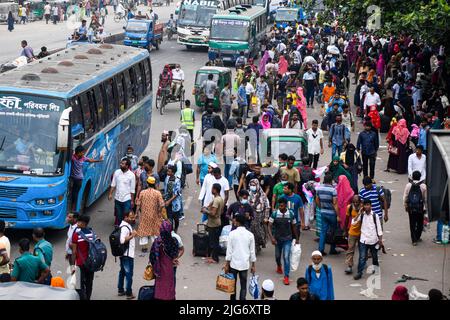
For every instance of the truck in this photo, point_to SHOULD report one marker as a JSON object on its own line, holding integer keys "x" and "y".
{"x": 143, "y": 33}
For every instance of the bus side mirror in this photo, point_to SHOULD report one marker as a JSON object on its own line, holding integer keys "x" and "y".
{"x": 63, "y": 130}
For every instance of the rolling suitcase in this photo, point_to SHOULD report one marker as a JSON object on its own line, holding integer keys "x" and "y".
{"x": 200, "y": 241}
{"x": 146, "y": 293}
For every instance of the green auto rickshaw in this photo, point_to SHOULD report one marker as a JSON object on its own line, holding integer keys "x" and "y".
{"x": 36, "y": 9}
{"x": 221, "y": 76}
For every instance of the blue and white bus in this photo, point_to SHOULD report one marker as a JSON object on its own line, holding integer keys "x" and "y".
{"x": 97, "y": 96}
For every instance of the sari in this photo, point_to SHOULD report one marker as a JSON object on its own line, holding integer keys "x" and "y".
{"x": 261, "y": 206}
{"x": 301, "y": 106}
{"x": 345, "y": 194}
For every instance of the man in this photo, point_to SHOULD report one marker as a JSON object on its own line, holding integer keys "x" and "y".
{"x": 241, "y": 61}
{"x": 127, "y": 238}
{"x": 206, "y": 195}
{"x": 281, "y": 231}
{"x": 81, "y": 33}
{"x": 371, "y": 236}
{"x": 226, "y": 101}
{"x": 47, "y": 11}
{"x": 209, "y": 89}
{"x": 315, "y": 143}
{"x": 76, "y": 173}
{"x": 187, "y": 118}
{"x": 214, "y": 211}
{"x": 134, "y": 159}
{"x": 242, "y": 207}
{"x": 268, "y": 290}
{"x": 278, "y": 190}
{"x": 337, "y": 99}
{"x": 163, "y": 152}
{"x": 253, "y": 132}
{"x": 231, "y": 143}
{"x": 320, "y": 278}
{"x": 423, "y": 133}
{"x": 303, "y": 293}
{"x": 43, "y": 250}
{"x": 326, "y": 200}
{"x": 103, "y": 15}
{"x": 172, "y": 197}
{"x": 5, "y": 250}
{"x": 80, "y": 252}
{"x": 353, "y": 233}
{"x": 242, "y": 99}
{"x": 367, "y": 145}
{"x": 240, "y": 253}
{"x": 250, "y": 92}
{"x": 72, "y": 218}
{"x": 148, "y": 165}
{"x": 177, "y": 80}
{"x": 415, "y": 202}
{"x": 348, "y": 119}
{"x": 293, "y": 174}
{"x": 294, "y": 204}
{"x": 372, "y": 98}
{"x": 376, "y": 195}
{"x": 27, "y": 267}
{"x": 27, "y": 51}
{"x": 123, "y": 186}
{"x": 339, "y": 136}
{"x": 310, "y": 84}
{"x": 55, "y": 13}
{"x": 417, "y": 162}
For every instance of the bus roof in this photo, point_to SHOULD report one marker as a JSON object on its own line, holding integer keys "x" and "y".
{"x": 216, "y": 69}
{"x": 250, "y": 13}
{"x": 71, "y": 71}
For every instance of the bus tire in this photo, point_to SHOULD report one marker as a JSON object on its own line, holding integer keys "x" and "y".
{"x": 84, "y": 199}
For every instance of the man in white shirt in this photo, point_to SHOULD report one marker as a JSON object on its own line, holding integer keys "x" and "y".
{"x": 55, "y": 13}
{"x": 249, "y": 91}
{"x": 123, "y": 186}
{"x": 315, "y": 143}
{"x": 206, "y": 196}
{"x": 47, "y": 10}
{"x": 348, "y": 119}
{"x": 372, "y": 98}
{"x": 127, "y": 235}
{"x": 417, "y": 162}
{"x": 281, "y": 47}
{"x": 72, "y": 219}
{"x": 371, "y": 236}
{"x": 240, "y": 252}
{"x": 177, "y": 80}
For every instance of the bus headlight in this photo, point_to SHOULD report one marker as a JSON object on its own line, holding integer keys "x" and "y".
{"x": 51, "y": 201}
{"x": 40, "y": 202}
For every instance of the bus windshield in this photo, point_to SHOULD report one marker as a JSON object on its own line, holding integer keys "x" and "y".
{"x": 228, "y": 29}
{"x": 287, "y": 15}
{"x": 28, "y": 131}
{"x": 196, "y": 15}
{"x": 137, "y": 27}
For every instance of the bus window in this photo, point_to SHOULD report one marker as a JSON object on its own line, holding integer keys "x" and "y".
{"x": 112, "y": 100}
{"x": 120, "y": 90}
{"x": 140, "y": 77}
{"x": 134, "y": 87}
{"x": 101, "y": 112}
{"x": 129, "y": 89}
{"x": 93, "y": 107}
{"x": 148, "y": 75}
{"x": 76, "y": 117}
{"x": 88, "y": 117}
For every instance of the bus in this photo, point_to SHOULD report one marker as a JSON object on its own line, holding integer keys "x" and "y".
{"x": 194, "y": 20}
{"x": 286, "y": 16}
{"x": 96, "y": 96}
{"x": 236, "y": 30}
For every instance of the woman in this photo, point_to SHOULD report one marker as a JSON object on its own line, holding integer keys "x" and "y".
{"x": 345, "y": 194}
{"x": 163, "y": 258}
{"x": 398, "y": 147}
{"x": 265, "y": 121}
{"x": 282, "y": 65}
{"x": 351, "y": 161}
{"x": 10, "y": 22}
{"x": 381, "y": 67}
{"x": 261, "y": 206}
{"x": 336, "y": 169}
{"x": 301, "y": 106}
{"x": 263, "y": 62}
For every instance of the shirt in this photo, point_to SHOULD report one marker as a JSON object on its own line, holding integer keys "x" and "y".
{"x": 47, "y": 9}
{"x": 125, "y": 184}
{"x": 205, "y": 192}
{"x": 314, "y": 140}
{"x": 308, "y": 76}
{"x": 240, "y": 249}
{"x": 368, "y": 142}
{"x": 423, "y": 137}
{"x": 374, "y": 196}
{"x": 203, "y": 162}
{"x": 125, "y": 231}
{"x": 416, "y": 164}
{"x": 82, "y": 245}
{"x": 177, "y": 75}
{"x": 5, "y": 245}
{"x": 214, "y": 220}
{"x": 209, "y": 87}
{"x": 70, "y": 232}
{"x": 28, "y": 268}
{"x": 293, "y": 174}
{"x": 423, "y": 189}
{"x": 282, "y": 225}
{"x": 294, "y": 203}
{"x": 370, "y": 232}
{"x": 27, "y": 52}
{"x": 249, "y": 89}
{"x": 44, "y": 251}
{"x": 172, "y": 187}
{"x": 326, "y": 193}
{"x": 77, "y": 167}
{"x": 55, "y": 11}
{"x": 347, "y": 120}
{"x": 225, "y": 97}
{"x": 372, "y": 99}
{"x": 355, "y": 229}
{"x": 230, "y": 141}
{"x": 338, "y": 134}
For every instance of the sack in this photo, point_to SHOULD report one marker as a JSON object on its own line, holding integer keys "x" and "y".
{"x": 146, "y": 293}
{"x": 387, "y": 196}
{"x": 296, "y": 252}
{"x": 393, "y": 150}
{"x": 117, "y": 249}
{"x": 200, "y": 241}
{"x": 226, "y": 283}
{"x": 148, "y": 273}
{"x": 207, "y": 123}
{"x": 253, "y": 287}
{"x": 415, "y": 199}
{"x": 97, "y": 253}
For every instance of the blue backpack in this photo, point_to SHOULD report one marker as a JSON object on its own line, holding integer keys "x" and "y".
{"x": 97, "y": 253}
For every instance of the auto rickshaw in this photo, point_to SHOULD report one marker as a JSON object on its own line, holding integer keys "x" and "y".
{"x": 221, "y": 76}
{"x": 36, "y": 9}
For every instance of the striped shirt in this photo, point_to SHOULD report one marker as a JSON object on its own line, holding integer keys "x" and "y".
{"x": 326, "y": 193}
{"x": 374, "y": 196}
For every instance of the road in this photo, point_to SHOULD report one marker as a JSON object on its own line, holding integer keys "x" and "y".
{"x": 195, "y": 278}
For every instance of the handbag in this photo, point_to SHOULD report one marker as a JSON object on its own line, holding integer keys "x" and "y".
{"x": 148, "y": 273}
{"x": 226, "y": 283}
{"x": 393, "y": 150}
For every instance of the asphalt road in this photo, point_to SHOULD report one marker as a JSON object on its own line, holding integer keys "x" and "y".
{"x": 195, "y": 278}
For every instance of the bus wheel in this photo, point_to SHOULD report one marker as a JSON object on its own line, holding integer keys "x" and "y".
{"x": 84, "y": 199}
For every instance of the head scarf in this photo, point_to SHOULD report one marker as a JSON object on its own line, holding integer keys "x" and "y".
{"x": 371, "y": 75}
{"x": 258, "y": 200}
{"x": 301, "y": 106}
{"x": 345, "y": 194}
{"x": 263, "y": 62}
{"x": 400, "y": 293}
{"x": 380, "y": 66}
{"x": 265, "y": 123}
{"x": 401, "y": 132}
{"x": 350, "y": 154}
{"x": 338, "y": 170}
{"x": 164, "y": 243}
{"x": 282, "y": 65}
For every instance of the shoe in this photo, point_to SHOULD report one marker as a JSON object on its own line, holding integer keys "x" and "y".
{"x": 121, "y": 294}
{"x": 323, "y": 253}
{"x": 414, "y": 244}
{"x": 131, "y": 297}
{"x": 279, "y": 270}
{"x": 335, "y": 252}
{"x": 437, "y": 241}
{"x": 357, "y": 276}
{"x": 348, "y": 270}
{"x": 420, "y": 240}
{"x": 286, "y": 281}
{"x": 181, "y": 218}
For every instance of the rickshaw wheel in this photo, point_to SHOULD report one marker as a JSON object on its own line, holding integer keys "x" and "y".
{"x": 181, "y": 99}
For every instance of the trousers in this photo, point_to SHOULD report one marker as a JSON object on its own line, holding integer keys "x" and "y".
{"x": 369, "y": 160}
{"x": 243, "y": 282}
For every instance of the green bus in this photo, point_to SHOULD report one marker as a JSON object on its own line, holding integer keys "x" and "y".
{"x": 237, "y": 29}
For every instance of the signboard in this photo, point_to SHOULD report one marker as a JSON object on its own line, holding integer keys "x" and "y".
{"x": 202, "y": 3}
{"x": 225, "y": 23}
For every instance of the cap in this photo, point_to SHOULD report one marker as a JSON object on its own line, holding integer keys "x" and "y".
{"x": 213, "y": 165}
{"x": 268, "y": 285}
{"x": 316, "y": 253}
{"x": 151, "y": 180}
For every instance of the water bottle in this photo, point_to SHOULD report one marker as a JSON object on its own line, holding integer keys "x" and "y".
{"x": 445, "y": 234}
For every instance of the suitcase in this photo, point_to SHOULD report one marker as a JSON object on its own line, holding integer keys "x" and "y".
{"x": 146, "y": 293}
{"x": 200, "y": 241}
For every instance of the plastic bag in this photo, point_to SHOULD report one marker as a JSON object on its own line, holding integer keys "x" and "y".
{"x": 253, "y": 287}
{"x": 143, "y": 241}
{"x": 71, "y": 282}
{"x": 296, "y": 252}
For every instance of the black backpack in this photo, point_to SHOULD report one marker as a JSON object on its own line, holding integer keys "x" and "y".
{"x": 306, "y": 175}
{"x": 118, "y": 249}
{"x": 387, "y": 196}
{"x": 415, "y": 198}
{"x": 207, "y": 123}
{"x": 97, "y": 253}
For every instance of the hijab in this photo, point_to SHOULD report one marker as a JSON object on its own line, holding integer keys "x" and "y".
{"x": 401, "y": 132}
{"x": 380, "y": 66}
{"x": 258, "y": 200}
{"x": 345, "y": 194}
{"x": 400, "y": 293}
{"x": 350, "y": 155}
{"x": 338, "y": 170}
{"x": 265, "y": 123}
{"x": 164, "y": 243}
{"x": 263, "y": 62}
{"x": 282, "y": 65}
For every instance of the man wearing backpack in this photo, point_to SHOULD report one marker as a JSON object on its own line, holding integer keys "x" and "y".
{"x": 414, "y": 199}
{"x": 338, "y": 136}
{"x": 320, "y": 277}
{"x": 127, "y": 235}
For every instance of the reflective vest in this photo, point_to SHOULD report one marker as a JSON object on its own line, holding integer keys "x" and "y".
{"x": 187, "y": 118}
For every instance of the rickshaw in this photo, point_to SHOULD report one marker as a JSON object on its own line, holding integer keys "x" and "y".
{"x": 221, "y": 76}
{"x": 164, "y": 96}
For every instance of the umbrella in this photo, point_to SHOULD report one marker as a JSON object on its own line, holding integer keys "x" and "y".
{"x": 310, "y": 59}
{"x": 333, "y": 49}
